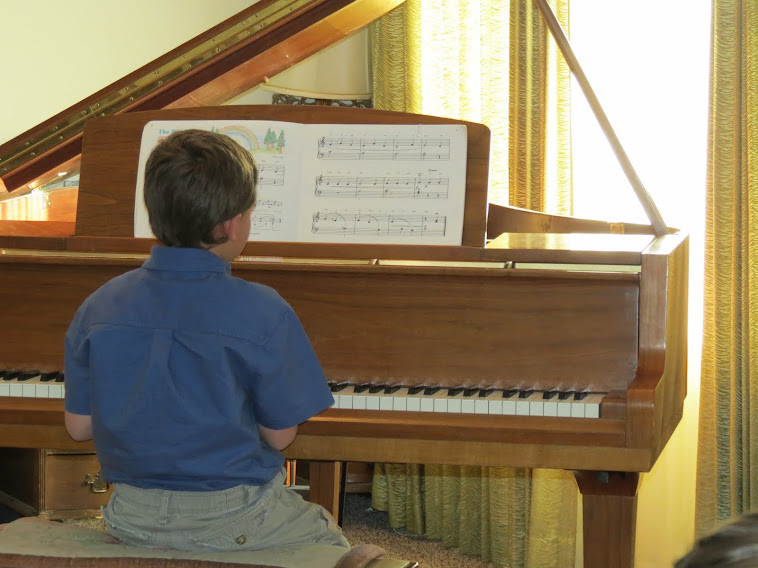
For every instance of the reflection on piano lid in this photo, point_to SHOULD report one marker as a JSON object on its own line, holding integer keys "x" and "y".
{"x": 467, "y": 400}
{"x": 31, "y": 384}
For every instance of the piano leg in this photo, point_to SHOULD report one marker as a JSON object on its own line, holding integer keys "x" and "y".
{"x": 327, "y": 486}
{"x": 610, "y": 517}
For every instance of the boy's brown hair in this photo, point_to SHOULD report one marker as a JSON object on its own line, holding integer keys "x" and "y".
{"x": 194, "y": 180}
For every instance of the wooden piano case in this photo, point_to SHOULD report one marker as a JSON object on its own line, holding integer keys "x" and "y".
{"x": 525, "y": 311}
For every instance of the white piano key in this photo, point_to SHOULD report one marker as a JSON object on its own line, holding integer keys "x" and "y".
{"x": 385, "y": 402}
{"x": 454, "y": 405}
{"x": 537, "y": 407}
{"x": 550, "y": 408}
{"x": 359, "y": 402}
{"x": 346, "y": 401}
{"x": 481, "y": 406}
{"x": 564, "y": 408}
{"x": 16, "y": 389}
{"x": 592, "y": 405}
{"x": 5, "y": 389}
{"x": 495, "y": 406}
{"x": 372, "y": 402}
{"x": 42, "y": 391}
{"x": 28, "y": 390}
{"x": 577, "y": 409}
{"x": 427, "y": 404}
{"x": 400, "y": 403}
{"x": 440, "y": 404}
{"x": 413, "y": 403}
{"x": 468, "y": 406}
{"x": 336, "y": 403}
{"x": 509, "y": 407}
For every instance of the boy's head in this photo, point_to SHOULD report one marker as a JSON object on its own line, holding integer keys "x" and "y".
{"x": 194, "y": 180}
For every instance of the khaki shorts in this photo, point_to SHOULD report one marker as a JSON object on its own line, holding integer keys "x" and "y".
{"x": 245, "y": 517}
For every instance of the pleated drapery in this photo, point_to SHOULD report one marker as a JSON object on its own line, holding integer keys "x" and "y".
{"x": 490, "y": 62}
{"x": 727, "y": 480}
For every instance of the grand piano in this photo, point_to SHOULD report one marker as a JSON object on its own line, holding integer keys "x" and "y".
{"x": 542, "y": 341}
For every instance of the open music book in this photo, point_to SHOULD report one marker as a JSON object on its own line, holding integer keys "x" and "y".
{"x": 342, "y": 183}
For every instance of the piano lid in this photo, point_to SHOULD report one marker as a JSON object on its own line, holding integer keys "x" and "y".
{"x": 211, "y": 69}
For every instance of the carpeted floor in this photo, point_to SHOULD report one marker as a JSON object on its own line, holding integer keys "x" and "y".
{"x": 364, "y": 525}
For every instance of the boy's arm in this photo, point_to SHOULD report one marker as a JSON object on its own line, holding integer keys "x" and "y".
{"x": 79, "y": 426}
{"x": 278, "y": 439}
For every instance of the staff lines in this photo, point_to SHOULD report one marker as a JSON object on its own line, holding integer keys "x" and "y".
{"x": 383, "y": 187}
{"x": 383, "y": 149}
{"x": 407, "y": 225}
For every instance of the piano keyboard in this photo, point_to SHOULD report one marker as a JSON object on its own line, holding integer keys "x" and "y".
{"x": 31, "y": 384}
{"x": 460, "y": 400}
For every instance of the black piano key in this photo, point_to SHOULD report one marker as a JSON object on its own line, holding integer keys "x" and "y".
{"x": 59, "y": 378}
{"x": 470, "y": 391}
{"x": 392, "y": 389}
{"x": 362, "y": 388}
{"x": 454, "y": 391}
{"x": 430, "y": 390}
{"x": 337, "y": 387}
{"x": 484, "y": 393}
{"x": 50, "y": 376}
{"x": 547, "y": 395}
{"x": 373, "y": 389}
{"x": 11, "y": 374}
{"x": 26, "y": 375}
{"x": 510, "y": 393}
{"x": 580, "y": 395}
{"x": 416, "y": 389}
{"x": 565, "y": 395}
{"x": 525, "y": 393}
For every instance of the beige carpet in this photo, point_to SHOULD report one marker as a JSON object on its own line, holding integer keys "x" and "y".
{"x": 364, "y": 525}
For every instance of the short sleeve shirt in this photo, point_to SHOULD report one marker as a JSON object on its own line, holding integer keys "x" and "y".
{"x": 178, "y": 362}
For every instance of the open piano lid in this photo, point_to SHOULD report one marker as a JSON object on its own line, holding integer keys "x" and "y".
{"x": 210, "y": 69}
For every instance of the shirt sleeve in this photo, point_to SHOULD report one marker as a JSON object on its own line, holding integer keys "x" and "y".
{"x": 290, "y": 386}
{"x": 76, "y": 369}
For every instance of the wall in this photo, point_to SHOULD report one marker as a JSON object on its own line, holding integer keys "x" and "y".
{"x": 54, "y": 54}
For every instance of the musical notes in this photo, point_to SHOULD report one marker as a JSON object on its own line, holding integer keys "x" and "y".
{"x": 382, "y": 187}
{"x": 271, "y": 175}
{"x": 268, "y": 204}
{"x": 402, "y": 225}
{"x": 265, "y": 222}
{"x": 383, "y": 149}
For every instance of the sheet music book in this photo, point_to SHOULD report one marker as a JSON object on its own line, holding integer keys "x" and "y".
{"x": 342, "y": 183}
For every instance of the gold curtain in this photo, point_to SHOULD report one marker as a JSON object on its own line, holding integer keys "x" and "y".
{"x": 727, "y": 480}
{"x": 490, "y": 62}
{"x": 458, "y": 59}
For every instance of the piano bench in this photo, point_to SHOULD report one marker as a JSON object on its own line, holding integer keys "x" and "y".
{"x": 37, "y": 543}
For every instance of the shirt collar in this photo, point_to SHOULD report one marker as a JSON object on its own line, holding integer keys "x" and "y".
{"x": 185, "y": 260}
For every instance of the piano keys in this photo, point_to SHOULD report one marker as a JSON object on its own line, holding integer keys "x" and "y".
{"x": 467, "y": 400}
{"x": 31, "y": 384}
{"x": 396, "y": 398}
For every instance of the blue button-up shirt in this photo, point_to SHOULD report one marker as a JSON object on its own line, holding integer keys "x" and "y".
{"x": 178, "y": 362}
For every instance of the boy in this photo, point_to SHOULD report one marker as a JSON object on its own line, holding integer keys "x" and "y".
{"x": 192, "y": 381}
